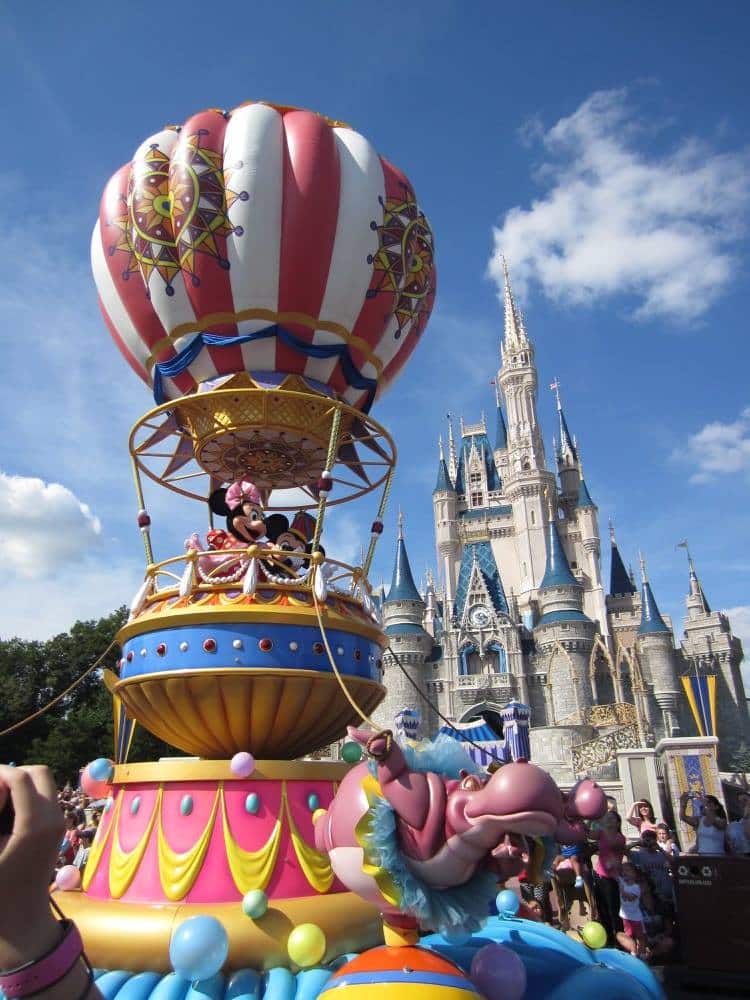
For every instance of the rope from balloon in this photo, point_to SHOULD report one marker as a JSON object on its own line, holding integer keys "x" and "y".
{"x": 378, "y": 521}
{"x": 182, "y": 361}
{"x": 362, "y": 714}
{"x": 142, "y": 512}
{"x": 59, "y": 697}
{"x": 325, "y": 481}
{"x": 352, "y": 701}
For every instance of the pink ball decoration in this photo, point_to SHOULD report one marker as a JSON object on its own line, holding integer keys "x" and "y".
{"x": 93, "y": 788}
{"x": 242, "y": 764}
{"x": 68, "y": 878}
{"x": 498, "y": 973}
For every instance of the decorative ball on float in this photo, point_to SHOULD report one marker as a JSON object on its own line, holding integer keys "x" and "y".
{"x": 306, "y": 945}
{"x": 507, "y": 903}
{"x": 351, "y": 752}
{"x": 387, "y": 973}
{"x": 593, "y": 934}
{"x": 198, "y": 948}
{"x": 255, "y": 904}
{"x": 97, "y": 788}
{"x": 102, "y": 769}
{"x": 242, "y": 764}
{"x": 499, "y": 973}
{"x": 68, "y": 878}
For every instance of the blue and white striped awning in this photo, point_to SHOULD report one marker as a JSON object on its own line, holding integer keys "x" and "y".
{"x": 487, "y": 749}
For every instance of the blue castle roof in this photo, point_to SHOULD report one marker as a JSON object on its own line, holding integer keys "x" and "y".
{"x": 482, "y": 443}
{"x": 566, "y": 439}
{"x": 404, "y": 628}
{"x": 490, "y": 573}
{"x": 443, "y": 479}
{"x": 584, "y": 497}
{"x": 651, "y": 620}
{"x": 557, "y": 572}
{"x": 563, "y": 616}
{"x": 501, "y": 431}
{"x": 403, "y": 587}
{"x": 619, "y": 580}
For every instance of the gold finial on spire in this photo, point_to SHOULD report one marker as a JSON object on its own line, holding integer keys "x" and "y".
{"x": 452, "y": 457}
{"x": 555, "y": 387}
{"x": 440, "y": 448}
{"x": 400, "y": 523}
{"x": 612, "y": 538}
{"x": 642, "y": 561}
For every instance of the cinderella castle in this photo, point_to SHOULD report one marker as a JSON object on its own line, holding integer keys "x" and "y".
{"x": 519, "y": 630}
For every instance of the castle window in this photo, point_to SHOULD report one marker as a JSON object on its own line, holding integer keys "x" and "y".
{"x": 475, "y": 479}
{"x": 476, "y": 499}
{"x": 574, "y": 565}
{"x": 533, "y": 517}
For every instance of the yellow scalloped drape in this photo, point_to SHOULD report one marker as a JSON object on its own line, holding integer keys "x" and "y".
{"x": 316, "y": 866}
{"x": 178, "y": 872}
{"x": 124, "y": 864}
{"x": 250, "y": 869}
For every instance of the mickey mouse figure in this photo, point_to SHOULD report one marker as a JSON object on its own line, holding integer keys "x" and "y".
{"x": 296, "y": 539}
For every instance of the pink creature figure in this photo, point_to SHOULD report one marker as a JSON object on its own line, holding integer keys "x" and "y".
{"x": 447, "y": 830}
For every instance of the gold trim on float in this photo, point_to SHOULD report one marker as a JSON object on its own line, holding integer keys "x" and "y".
{"x": 114, "y": 932}
{"x": 124, "y": 864}
{"x": 267, "y": 613}
{"x": 195, "y": 770}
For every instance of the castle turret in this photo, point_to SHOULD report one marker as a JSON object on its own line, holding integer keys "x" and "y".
{"x": 587, "y": 520}
{"x": 526, "y": 480}
{"x": 710, "y": 648}
{"x": 445, "y": 508}
{"x": 403, "y": 618}
{"x": 566, "y": 456}
{"x": 563, "y": 621}
{"x": 656, "y": 650}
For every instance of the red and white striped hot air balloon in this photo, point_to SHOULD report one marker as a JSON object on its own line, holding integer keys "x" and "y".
{"x": 266, "y": 240}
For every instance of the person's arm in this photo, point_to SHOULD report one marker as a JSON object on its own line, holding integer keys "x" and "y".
{"x": 28, "y": 929}
{"x": 633, "y": 816}
{"x": 690, "y": 820}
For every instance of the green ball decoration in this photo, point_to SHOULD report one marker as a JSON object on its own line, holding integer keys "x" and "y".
{"x": 186, "y": 805}
{"x": 135, "y": 805}
{"x": 351, "y": 752}
{"x": 254, "y": 904}
{"x": 313, "y": 802}
{"x": 252, "y": 803}
{"x": 594, "y": 935}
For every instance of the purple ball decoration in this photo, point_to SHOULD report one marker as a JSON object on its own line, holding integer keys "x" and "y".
{"x": 68, "y": 878}
{"x": 242, "y": 764}
{"x": 498, "y": 973}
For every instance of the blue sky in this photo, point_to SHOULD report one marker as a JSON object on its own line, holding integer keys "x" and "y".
{"x": 603, "y": 147}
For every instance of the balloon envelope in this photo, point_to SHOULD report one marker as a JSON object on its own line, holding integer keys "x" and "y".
{"x": 265, "y": 239}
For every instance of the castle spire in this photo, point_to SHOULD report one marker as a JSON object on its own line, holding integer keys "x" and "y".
{"x": 403, "y": 587}
{"x": 651, "y": 619}
{"x": 452, "y": 458}
{"x": 568, "y": 453}
{"x": 696, "y": 591}
{"x": 557, "y": 572}
{"x": 515, "y": 330}
{"x": 619, "y": 580}
{"x": 443, "y": 482}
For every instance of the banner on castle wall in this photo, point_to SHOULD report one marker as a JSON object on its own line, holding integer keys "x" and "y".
{"x": 407, "y": 723}
{"x": 701, "y": 695}
{"x": 697, "y": 774}
{"x": 479, "y": 741}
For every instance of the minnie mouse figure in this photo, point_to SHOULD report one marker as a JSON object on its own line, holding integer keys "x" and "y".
{"x": 242, "y": 506}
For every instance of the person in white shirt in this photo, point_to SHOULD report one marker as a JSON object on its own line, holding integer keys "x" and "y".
{"x": 738, "y": 832}
{"x": 630, "y": 907}
{"x": 710, "y": 824}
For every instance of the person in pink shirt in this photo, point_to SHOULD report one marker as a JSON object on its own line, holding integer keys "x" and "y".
{"x": 610, "y": 848}
{"x": 642, "y": 817}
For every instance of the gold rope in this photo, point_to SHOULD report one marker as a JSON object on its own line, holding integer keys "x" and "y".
{"x": 363, "y": 715}
{"x": 142, "y": 506}
{"x": 59, "y": 697}
{"x": 378, "y": 517}
{"x": 333, "y": 447}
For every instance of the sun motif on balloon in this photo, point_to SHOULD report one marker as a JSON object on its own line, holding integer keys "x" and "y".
{"x": 176, "y": 208}
{"x": 403, "y": 263}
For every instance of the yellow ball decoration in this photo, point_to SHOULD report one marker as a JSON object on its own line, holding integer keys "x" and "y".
{"x": 306, "y": 945}
{"x": 318, "y": 814}
{"x": 593, "y": 934}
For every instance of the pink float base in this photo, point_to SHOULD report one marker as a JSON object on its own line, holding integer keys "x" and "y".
{"x": 185, "y": 813}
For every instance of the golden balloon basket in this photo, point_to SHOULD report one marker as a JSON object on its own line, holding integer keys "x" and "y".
{"x": 241, "y": 659}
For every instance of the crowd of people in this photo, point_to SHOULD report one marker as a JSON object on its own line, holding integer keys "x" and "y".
{"x": 81, "y": 817}
{"x": 627, "y": 884}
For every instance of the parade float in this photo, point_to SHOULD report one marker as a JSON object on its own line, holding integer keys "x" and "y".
{"x": 268, "y": 274}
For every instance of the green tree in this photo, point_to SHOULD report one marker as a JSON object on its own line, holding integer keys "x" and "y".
{"x": 80, "y": 727}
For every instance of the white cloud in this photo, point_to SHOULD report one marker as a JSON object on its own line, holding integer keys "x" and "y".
{"x": 43, "y": 526}
{"x": 739, "y": 618}
{"x": 618, "y": 220}
{"x": 718, "y": 449}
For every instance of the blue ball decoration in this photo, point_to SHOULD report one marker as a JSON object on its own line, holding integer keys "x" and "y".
{"x": 507, "y": 903}
{"x": 313, "y": 802}
{"x": 457, "y": 936}
{"x": 135, "y": 805}
{"x": 198, "y": 948}
{"x": 186, "y": 805}
{"x": 101, "y": 769}
{"x": 252, "y": 803}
